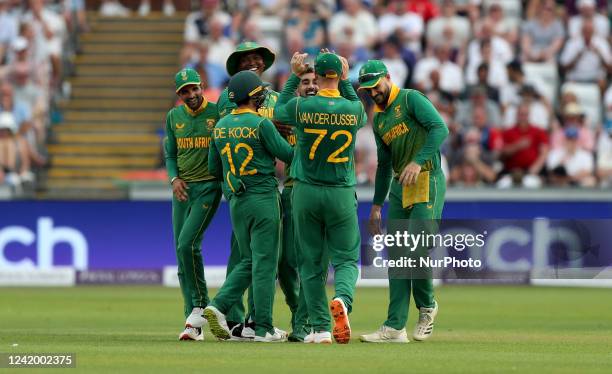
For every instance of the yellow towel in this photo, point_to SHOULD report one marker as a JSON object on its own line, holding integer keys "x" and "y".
{"x": 418, "y": 192}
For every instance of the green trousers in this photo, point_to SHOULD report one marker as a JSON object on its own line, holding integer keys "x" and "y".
{"x": 425, "y": 216}
{"x": 328, "y": 231}
{"x": 256, "y": 219}
{"x": 288, "y": 276}
{"x": 189, "y": 221}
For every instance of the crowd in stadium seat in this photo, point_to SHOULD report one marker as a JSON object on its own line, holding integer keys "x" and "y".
{"x": 522, "y": 85}
{"x": 34, "y": 36}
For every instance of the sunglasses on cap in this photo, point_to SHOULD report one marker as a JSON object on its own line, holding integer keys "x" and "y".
{"x": 368, "y": 76}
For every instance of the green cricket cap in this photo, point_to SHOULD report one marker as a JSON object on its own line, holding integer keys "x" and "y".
{"x": 243, "y": 85}
{"x": 233, "y": 61}
{"x": 371, "y": 73}
{"x": 186, "y": 77}
{"x": 328, "y": 65}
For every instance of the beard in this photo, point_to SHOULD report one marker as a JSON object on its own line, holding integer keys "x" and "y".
{"x": 380, "y": 99}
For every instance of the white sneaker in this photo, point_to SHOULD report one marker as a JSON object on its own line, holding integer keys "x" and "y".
{"x": 309, "y": 338}
{"x": 278, "y": 337}
{"x": 342, "y": 327}
{"x": 169, "y": 10}
{"x": 192, "y": 333}
{"x": 144, "y": 9}
{"x": 241, "y": 333}
{"x": 425, "y": 325}
{"x": 321, "y": 337}
{"x": 217, "y": 322}
{"x": 386, "y": 334}
{"x": 195, "y": 319}
{"x": 114, "y": 9}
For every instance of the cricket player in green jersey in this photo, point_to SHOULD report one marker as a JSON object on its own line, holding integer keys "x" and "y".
{"x": 408, "y": 132}
{"x": 244, "y": 147}
{"x": 305, "y": 85}
{"x": 256, "y": 58}
{"x": 324, "y": 200}
{"x": 196, "y": 192}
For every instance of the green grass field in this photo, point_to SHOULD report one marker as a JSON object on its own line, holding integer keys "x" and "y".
{"x": 478, "y": 329}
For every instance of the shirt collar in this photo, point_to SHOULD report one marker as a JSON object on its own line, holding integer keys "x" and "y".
{"x": 244, "y": 110}
{"x": 392, "y": 96}
{"x": 328, "y": 92}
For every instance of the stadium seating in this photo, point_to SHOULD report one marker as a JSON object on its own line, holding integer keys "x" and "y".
{"x": 119, "y": 98}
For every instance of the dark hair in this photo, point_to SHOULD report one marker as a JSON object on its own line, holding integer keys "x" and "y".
{"x": 515, "y": 65}
{"x": 309, "y": 69}
{"x": 483, "y": 66}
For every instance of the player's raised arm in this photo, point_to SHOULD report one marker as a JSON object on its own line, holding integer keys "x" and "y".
{"x": 274, "y": 142}
{"x": 426, "y": 114}
{"x": 346, "y": 88}
{"x": 297, "y": 69}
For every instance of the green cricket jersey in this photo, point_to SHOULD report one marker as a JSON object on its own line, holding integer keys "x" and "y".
{"x": 326, "y": 127}
{"x": 245, "y": 145}
{"x": 188, "y": 136}
{"x": 288, "y": 93}
{"x": 408, "y": 129}
{"x": 225, "y": 106}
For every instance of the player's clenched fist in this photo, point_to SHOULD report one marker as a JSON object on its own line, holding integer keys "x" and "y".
{"x": 179, "y": 188}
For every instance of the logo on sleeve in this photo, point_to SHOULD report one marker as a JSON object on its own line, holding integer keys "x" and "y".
{"x": 210, "y": 124}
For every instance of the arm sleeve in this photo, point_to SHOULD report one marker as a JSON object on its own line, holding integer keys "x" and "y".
{"x": 427, "y": 116}
{"x": 274, "y": 143}
{"x": 383, "y": 171}
{"x": 214, "y": 161}
{"x": 347, "y": 91}
{"x": 170, "y": 150}
{"x": 363, "y": 117}
{"x": 288, "y": 91}
{"x": 287, "y": 113}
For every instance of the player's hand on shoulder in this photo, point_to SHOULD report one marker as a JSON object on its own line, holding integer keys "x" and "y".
{"x": 179, "y": 188}
{"x": 410, "y": 174}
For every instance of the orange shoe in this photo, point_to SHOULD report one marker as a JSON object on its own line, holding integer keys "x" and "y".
{"x": 342, "y": 327}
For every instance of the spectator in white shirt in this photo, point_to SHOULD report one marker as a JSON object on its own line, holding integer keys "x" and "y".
{"x": 392, "y": 57}
{"x": 450, "y": 74}
{"x": 501, "y": 50}
{"x": 588, "y": 10}
{"x": 502, "y": 25}
{"x": 355, "y": 25}
{"x": 587, "y": 58}
{"x": 571, "y": 164}
{"x": 408, "y": 26}
{"x": 460, "y": 26}
{"x": 50, "y": 30}
{"x": 497, "y": 73}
